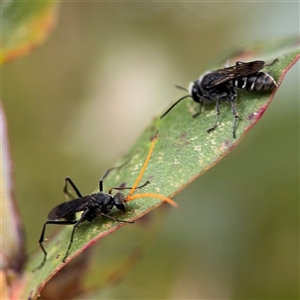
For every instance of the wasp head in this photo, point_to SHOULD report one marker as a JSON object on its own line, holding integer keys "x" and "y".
{"x": 120, "y": 201}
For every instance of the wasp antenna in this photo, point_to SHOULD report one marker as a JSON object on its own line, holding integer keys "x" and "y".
{"x": 143, "y": 168}
{"x": 181, "y": 87}
{"x": 172, "y": 106}
{"x": 151, "y": 195}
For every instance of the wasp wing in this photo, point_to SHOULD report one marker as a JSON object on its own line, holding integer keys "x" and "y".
{"x": 67, "y": 209}
{"x": 241, "y": 69}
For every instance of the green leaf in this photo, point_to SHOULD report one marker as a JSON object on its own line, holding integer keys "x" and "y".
{"x": 183, "y": 152}
{"x": 24, "y": 26}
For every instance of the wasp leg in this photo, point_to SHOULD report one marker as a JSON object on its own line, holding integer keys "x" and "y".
{"x": 272, "y": 63}
{"x": 200, "y": 110}
{"x": 115, "y": 220}
{"x": 76, "y": 224}
{"x": 66, "y": 192}
{"x": 108, "y": 171}
{"x": 235, "y": 116}
{"x": 41, "y": 240}
{"x": 120, "y": 188}
{"x": 217, "y": 118}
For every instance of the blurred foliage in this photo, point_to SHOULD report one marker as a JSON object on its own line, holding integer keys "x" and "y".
{"x": 25, "y": 26}
{"x": 79, "y": 102}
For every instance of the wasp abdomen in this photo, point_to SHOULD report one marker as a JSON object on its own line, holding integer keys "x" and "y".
{"x": 260, "y": 81}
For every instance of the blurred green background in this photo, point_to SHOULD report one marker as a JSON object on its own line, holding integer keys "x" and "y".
{"x": 79, "y": 102}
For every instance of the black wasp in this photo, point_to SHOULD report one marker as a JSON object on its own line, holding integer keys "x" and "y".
{"x": 220, "y": 85}
{"x": 92, "y": 205}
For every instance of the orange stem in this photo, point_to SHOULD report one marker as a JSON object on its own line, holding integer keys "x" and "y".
{"x": 143, "y": 168}
{"x": 151, "y": 195}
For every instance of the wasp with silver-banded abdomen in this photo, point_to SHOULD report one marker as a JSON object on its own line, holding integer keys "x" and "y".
{"x": 220, "y": 85}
